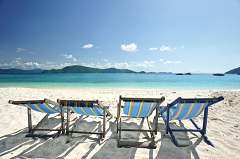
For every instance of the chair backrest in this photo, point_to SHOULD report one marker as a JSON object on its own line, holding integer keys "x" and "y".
{"x": 189, "y": 108}
{"x": 44, "y": 106}
{"x": 83, "y": 107}
{"x": 139, "y": 107}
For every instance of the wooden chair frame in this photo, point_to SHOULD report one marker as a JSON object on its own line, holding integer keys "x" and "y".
{"x": 32, "y": 129}
{"x": 98, "y": 105}
{"x": 152, "y": 131}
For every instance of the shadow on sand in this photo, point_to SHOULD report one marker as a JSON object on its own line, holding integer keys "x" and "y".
{"x": 168, "y": 150}
{"x": 16, "y": 145}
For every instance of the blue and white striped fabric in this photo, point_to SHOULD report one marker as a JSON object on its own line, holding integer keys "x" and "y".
{"x": 84, "y": 108}
{"x": 184, "y": 110}
{"x": 139, "y": 109}
{"x": 43, "y": 107}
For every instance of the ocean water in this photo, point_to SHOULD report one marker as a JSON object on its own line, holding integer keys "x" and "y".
{"x": 122, "y": 80}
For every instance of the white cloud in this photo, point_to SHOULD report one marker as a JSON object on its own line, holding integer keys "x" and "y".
{"x": 18, "y": 64}
{"x": 32, "y": 64}
{"x": 88, "y": 46}
{"x": 148, "y": 63}
{"x": 20, "y": 49}
{"x": 165, "y": 48}
{"x": 130, "y": 48}
{"x": 144, "y": 64}
{"x": 172, "y": 62}
{"x": 50, "y": 63}
{"x": 53, "y": 65}
{"x": 60, "y": 66}
{"x": 16, "y": 61}
{"x": 122, "y": 65}
{"x": 161, "y": 60}
{"x": 152, "y": 49}
{"x": 18, "y": 58}
{"x": 69, "y": 56}
{"x": 105, "y": 60}
{"x": 131, "y": 65}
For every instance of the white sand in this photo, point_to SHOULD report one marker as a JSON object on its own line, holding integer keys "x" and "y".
{"x": 223, "y": 127}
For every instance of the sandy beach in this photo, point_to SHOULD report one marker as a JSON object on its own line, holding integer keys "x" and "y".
{"x": 223, "y": 127}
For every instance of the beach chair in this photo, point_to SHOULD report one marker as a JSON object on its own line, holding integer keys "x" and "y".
{"x": 137, "y": 108}
{"x": 189, "y": 108}
{"x": 87, "y": 108}
{"x": 44, "y": 106}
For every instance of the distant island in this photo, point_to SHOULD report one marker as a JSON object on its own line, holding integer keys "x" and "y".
{"x": 74, "y": 69}
{"x": 218, "y": 74}
{"x": 20, "y": 71}
{"x": 84, "y": 69}
{"x": 183, "y": 74}
{"x": 234, "y": 71}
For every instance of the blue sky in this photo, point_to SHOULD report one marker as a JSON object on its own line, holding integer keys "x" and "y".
{"x": 154, "y": 35}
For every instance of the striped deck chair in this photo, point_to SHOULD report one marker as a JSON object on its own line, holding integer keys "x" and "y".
{"x": 89, "y": 108}
{"x": 137, "y": 108}
{"x": 44, "y": 106}
{"x": 181, "y": 109}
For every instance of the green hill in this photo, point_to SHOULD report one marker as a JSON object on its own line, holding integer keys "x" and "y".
{"x": 234, "y": 71}
{"x": 83, "y": 69}
{"x": 19, "y": 71}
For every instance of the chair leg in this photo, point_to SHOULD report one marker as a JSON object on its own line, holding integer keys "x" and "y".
{"x": 32, "y": 130}
{"x": 119, "y": 132}
{"x": 174, "y": 139}
{"x": 117, "y": 125}
{"x": 68, "y": 118}
{"x": 150, "y": 128}
{"x": 204, "y": 129}
{"x": 205, "y": 120}
{"x": 41, "y": 122}
{"x": 104, "y": 123}
{"x": 62, "y": 120}
{"x": 156, "y": 121}
{"x": 118, "y": 115}
{"x": 207, "y": 140}
{"x": 195, "y": 124}
{"x": 167, "y": 127}
{"x": 29, "y": 120}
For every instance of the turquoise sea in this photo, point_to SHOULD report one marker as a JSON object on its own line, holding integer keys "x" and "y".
{"x": 122, "y": 80}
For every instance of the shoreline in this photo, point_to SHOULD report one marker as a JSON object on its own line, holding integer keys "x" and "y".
{"x": 121, "y": 88}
